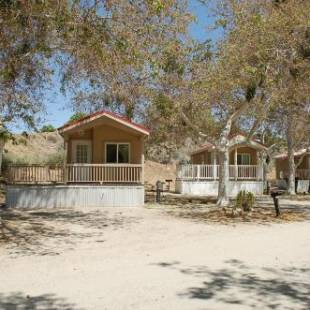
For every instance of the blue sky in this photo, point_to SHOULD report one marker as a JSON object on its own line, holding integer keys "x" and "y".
{"x": 58, "y": 108}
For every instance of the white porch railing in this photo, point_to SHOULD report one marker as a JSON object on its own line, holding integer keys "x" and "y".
{"x": 75, "y": 173}
{"x": 104, "y": 173}
{"x": 211, "y": 172}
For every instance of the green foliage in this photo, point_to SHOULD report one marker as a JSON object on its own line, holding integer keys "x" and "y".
{"x": 48, "y": 128}
{"x": 245, "y": 201}
{"x": 76, "y": 116}
{"x": 25, "y": 134}
{"x": 5, "y": 135}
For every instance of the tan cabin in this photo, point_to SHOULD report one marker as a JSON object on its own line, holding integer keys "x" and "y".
{"x": 245, "y": 168}
{"x": 103, "y": 166}
{"x": 108, "y": 146}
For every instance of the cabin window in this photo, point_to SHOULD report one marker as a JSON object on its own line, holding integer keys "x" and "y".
{"x": 81, "y": 151}
{"x": 117, "y": 153}
{"x": 243, "y": 159}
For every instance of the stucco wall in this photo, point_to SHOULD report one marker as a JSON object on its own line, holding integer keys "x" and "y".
{"x": 101, "y": 134}
{"x": 205, "y": 156}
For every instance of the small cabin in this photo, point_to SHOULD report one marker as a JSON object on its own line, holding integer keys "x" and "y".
{"x": 301, "y": 159}
{"x": 103, "y": 166}
{"x": 200, "y": 177}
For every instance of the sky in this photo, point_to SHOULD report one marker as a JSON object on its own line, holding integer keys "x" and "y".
{"x": 58, "y": 108}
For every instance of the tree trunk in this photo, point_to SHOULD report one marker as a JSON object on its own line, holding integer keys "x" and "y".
{"x": 291, "y": 160}
{"x": 1, "y": 155}
{"x": 291, "y": 172}
{"x": 222, "y": 198}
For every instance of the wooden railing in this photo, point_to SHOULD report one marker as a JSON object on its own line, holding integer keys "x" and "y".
{"x": 104, "y": 173}
{"x": 211, "y": 172}
{"x": 35, "y": 174}
{"x": 303, "y": 174}
{"x": 197, "y": 172}
{"x": 75, "y": 173}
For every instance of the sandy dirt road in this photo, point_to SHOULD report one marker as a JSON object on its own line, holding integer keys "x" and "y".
{"x": 144, "y": 258}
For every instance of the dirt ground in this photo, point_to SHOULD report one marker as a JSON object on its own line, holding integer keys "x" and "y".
{"x": 153, "y": 258}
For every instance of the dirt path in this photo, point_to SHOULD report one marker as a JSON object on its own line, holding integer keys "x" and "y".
{"x": 147, "y": 259}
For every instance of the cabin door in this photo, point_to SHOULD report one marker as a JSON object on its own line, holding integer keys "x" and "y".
{"x": 82, "y": 156}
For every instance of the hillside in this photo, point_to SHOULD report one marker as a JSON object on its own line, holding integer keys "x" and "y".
{"x": 34, "y": 148}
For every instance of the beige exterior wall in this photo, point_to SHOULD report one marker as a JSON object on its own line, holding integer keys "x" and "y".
{"x": 205, "y": 156}
{"x": 102, "y": 134}
{"x": 201, "y": 158}
{"x": 244, "y": 150}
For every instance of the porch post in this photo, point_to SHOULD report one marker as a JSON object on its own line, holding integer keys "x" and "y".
{"x": 236, "y": 163}
{"x": 65, "y": 172}
{"x": 259, "y": 168}
{"x": 142, "y": 160}
{"x": 214, "y": 165}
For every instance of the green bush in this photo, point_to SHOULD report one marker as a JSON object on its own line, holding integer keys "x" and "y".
{"x": 76, "y": 116}
{"x": 245, "y": 201}
{"x": 48, "y": 128}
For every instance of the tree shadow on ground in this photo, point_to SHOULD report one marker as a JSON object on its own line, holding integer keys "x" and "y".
{"x": 243, "y": 285}
{"x": 47, "y": 232}
{"x": 20, "y": 301}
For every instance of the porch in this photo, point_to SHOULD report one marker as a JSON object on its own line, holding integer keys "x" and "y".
{"x": 75, "y": 174}
{"x": 203, "y": 180}
{"x": 211, "y": 172}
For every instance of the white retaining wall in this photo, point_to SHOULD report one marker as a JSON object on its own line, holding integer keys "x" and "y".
{"x": 63, "y": 196}
{"x": 210, "y": 188}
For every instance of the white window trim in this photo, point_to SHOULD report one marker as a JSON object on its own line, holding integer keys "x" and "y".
{"x": 117, "y": 143}
{"x": 247, "y": 154}
{"x": 84, "y": 142}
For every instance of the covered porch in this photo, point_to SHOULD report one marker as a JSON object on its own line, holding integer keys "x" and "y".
{"x": 75, "y": 173}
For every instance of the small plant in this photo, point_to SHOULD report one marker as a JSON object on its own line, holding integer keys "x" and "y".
{"x": 245, "y": 200}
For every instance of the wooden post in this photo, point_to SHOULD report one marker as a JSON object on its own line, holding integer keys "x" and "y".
{"x": 214, "y": 165}
{"x": 65, "y": 171}
{"x": 142, "y": 160}
{"x": 236, "y": 163}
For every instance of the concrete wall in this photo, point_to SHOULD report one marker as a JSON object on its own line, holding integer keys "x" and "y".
{"x": 69, "y": 196}
{"x": 210, "y": 188}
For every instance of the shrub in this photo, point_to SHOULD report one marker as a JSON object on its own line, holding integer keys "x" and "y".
{"x": 76, "y": 116}
{"x": 48, "y": 128}
{"x": 245, "y": 201}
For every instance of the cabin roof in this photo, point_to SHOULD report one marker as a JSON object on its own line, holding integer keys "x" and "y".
{"x": 102, "y": 114}
{"x": 240, "y": 136}
{"x": 296, "y": 154}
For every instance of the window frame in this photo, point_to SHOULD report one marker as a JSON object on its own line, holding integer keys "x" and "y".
{"x": 75, "y": 143}
{"x": 117, "y": 148}
{"x": 244, "y": 154}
